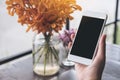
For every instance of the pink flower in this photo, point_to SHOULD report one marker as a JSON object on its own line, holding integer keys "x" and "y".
{"x": 66, "y": 36}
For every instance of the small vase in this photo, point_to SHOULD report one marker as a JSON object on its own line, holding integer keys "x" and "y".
{"x": 66, "y": 62}
{"x": 45, "y": 56}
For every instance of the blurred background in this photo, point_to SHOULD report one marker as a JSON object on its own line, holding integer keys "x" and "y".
{"x": 15, "y": 40}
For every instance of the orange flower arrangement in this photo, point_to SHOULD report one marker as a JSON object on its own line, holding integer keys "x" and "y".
{"x": 43, "y": 16}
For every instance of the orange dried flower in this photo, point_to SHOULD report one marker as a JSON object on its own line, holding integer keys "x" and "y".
{"x": 42, "y": 15}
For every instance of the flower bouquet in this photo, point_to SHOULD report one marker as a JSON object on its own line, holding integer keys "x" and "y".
{"x": 45, "y": 17}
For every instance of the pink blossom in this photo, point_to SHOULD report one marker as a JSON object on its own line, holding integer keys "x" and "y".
{"x": 66, "y": 36}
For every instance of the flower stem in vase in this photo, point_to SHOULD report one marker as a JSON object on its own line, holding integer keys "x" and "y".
{"x": 46, "y": 62}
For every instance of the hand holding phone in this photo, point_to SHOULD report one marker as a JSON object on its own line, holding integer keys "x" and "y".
{"x": 86, "y": 40}
{"x": 88, "y": 72}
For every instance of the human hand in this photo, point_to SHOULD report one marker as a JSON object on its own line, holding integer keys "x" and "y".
{"x": 95, "y": 70}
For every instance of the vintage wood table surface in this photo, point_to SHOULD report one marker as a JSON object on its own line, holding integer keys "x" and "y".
{"x": 21, "y": 69}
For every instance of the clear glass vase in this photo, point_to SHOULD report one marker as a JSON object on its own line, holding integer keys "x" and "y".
{"x": 66, "y": 62}
{"x": 45, "y": 55}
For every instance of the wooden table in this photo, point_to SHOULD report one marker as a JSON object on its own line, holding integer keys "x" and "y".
{"x": 21, "y": 69}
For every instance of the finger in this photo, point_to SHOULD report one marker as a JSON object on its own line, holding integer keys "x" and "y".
{"x": 100, "y": 55}
{"x": 69, "y": 45}
{"x": 79, "y": 67}
{"x": 72, "y": 36}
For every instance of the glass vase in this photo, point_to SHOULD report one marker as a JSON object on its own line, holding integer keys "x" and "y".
{"x": 45, "y": 55}
{"x": 65, "y": 61}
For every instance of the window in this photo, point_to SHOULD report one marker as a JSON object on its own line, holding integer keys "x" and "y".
{"x": 13, "y": 37}
{"x": 119, "y": 11}
{"x": 118, "y": 25}
{"x": 118, "y": 33}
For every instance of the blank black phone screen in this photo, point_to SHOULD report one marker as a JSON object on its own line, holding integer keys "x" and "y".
{"x": 87, "y": 37}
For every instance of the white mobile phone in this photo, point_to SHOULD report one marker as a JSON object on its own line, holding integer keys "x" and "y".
{"x": 86, "y": 40}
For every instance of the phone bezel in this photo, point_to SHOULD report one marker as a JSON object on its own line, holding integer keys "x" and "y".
{"x": 82, "y": 59}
